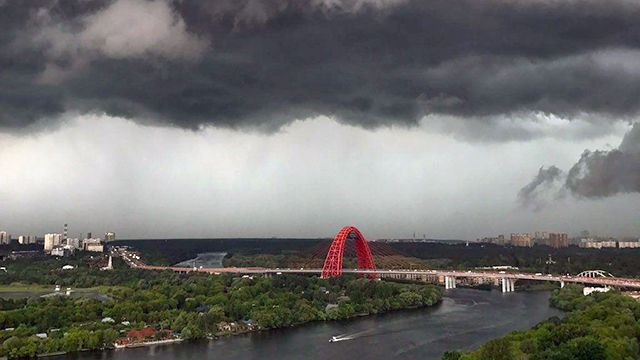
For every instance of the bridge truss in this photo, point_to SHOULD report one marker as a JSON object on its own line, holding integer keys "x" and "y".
{"x": 594, "y": 274}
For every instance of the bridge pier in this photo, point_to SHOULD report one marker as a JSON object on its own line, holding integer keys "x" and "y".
{"x": 508, "y": 285}
{"x": 449, "y": 282}
{"x": 561, "y": 284}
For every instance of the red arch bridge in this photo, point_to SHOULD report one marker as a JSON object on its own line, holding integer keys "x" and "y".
{"x": 333, "y": 267}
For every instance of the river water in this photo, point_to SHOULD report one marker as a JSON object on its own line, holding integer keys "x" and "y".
{"x": 464, "y": 320}
{"x": 207, "y": 260}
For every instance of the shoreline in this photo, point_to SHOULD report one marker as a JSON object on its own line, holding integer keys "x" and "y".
{"x": 217, "y": 336}
{"x": 148, "y": 343}
{"x": 285, "y": 332}
{"x": 355, "y": 317}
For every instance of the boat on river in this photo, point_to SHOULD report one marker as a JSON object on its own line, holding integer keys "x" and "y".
{"x": 339, "y": 338}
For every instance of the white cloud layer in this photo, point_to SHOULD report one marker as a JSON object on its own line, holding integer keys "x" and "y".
{"x": 100, "y": 173}
{"x": 136, "y": 28}
{"x": 124, "y": 29}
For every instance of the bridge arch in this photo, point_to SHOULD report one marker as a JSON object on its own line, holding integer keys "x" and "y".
{"x": 333, "y": 263}
{"x": 594, "y": 274}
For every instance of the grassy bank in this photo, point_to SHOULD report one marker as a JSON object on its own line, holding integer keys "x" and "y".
{"x": 601, "y": 326}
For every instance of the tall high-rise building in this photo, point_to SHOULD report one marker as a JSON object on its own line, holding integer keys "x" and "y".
{"x": 52, "y": 240}
{"x": 110, "y": 236}
{"x": 5, "y": 237}
{"x": 26, "y": 239}
{"x": 558, "y": 240}
{"x": 524, "y": 240}
{"x": 89, "y": 235}
{"x": 540, "y": 238}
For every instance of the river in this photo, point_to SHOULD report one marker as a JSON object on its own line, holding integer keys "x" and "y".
{"x": 464, "y": 320}
{"x": 206, "y": 260}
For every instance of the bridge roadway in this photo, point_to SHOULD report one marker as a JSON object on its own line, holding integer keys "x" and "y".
{"x": 602, "y": 281}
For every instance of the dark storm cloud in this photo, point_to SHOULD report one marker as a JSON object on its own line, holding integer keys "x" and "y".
{"x": 529, "y": 195}
{"x": 261, "y": 64}
{"x": 597, "y": 174}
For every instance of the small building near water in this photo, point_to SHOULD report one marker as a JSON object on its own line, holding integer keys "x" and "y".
{"x": 143, "y": 335}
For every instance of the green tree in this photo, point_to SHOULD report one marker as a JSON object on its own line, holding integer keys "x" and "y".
{"x": 587, "y": 348}
{"x": 452, "y": 355}
{"x": 498, "y": 349}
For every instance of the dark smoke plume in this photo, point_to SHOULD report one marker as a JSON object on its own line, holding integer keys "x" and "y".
{"x": 597, "y": 174}
{"x": 607, "y": 173}
{"x": 530, "y": 194}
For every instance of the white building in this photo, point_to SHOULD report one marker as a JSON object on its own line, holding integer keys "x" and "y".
{"x": 94, "y": 245}
{"x": 74, "y": 243}
{"x": 62, "y": 250}
{"x": 628, "y": 244}
{"x": 5, "y": 238}
{"x": 58, "y": 251}
{"x": 589, "y": 290}
{"x": 51, "y": 240}
{"x": 110, "y": 236}
{"x": 594, "y": 244}
{"x": 26, "y": 239}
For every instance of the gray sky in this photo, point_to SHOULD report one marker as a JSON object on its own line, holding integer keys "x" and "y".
{"x": 285, "y": 118}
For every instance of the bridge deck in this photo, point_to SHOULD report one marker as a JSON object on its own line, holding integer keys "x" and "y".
{"x": 135, "y": 262}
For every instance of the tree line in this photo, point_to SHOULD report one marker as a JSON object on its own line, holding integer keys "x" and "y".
{"x": 601, "y": 326}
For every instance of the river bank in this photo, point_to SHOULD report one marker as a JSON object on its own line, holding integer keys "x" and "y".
{"x": 465, "y": 319}
{"x": 601, "y": 326}
{"x": 193, "y": 306}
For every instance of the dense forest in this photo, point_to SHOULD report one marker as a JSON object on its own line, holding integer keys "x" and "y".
{"x": 601, "y": 326}
{"x": 572, "y": 260}
{"x": 172, "y": 251}
{"x": 192, "y": 305}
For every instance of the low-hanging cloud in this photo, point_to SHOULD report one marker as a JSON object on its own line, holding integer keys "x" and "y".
{"x": 252, "y": 64}
{"x": 597, "y": 174}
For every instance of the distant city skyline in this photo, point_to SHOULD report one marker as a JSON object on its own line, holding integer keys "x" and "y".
{"x": 519, "y": 238}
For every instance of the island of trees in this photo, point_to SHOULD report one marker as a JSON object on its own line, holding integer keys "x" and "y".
{"x": 106, "y": 305}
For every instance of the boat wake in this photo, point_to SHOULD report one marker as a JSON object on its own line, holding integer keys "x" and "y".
{"x": 338, "y": 338}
